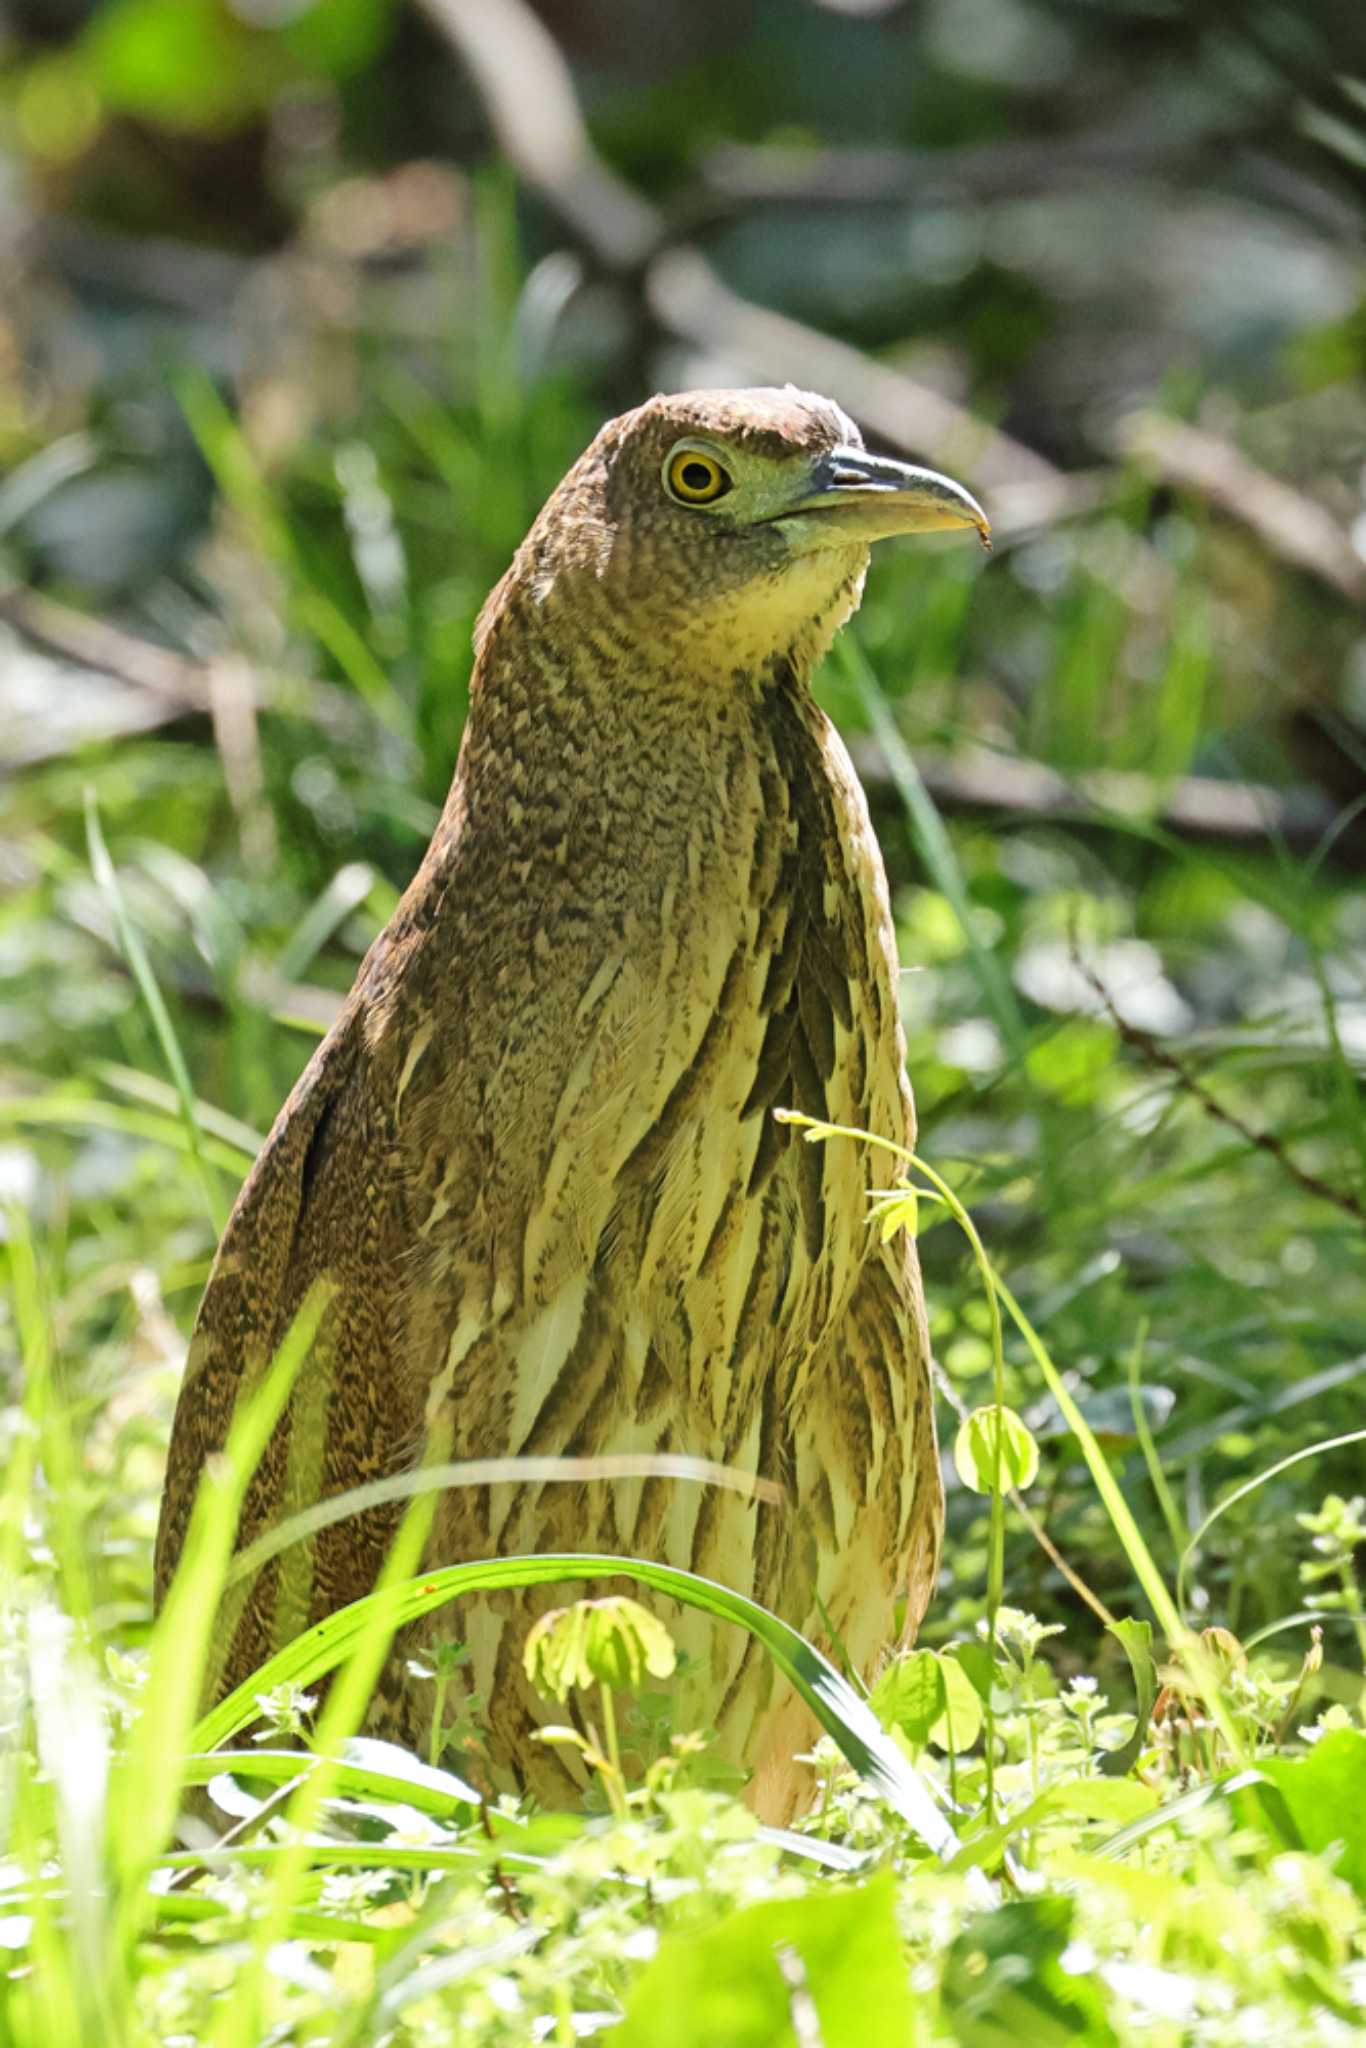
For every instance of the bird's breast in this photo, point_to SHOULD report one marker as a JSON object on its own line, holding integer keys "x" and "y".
{"x": 626, "y": 1239}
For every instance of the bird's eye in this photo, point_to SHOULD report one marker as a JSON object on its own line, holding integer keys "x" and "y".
{"x": 694, "y": 478}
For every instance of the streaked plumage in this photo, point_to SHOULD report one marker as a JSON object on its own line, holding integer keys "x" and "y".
{"x": 536, "y": 1153}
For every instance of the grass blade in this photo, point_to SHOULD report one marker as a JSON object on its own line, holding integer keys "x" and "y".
{"x": 145, "y": 1793}
{"x": 836, "y": 1705}
{"x": 932, "y": 842}
{"x": 140, "y": 967}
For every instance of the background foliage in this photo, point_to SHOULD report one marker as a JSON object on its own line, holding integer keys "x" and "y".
{"x": 306, "y": 307}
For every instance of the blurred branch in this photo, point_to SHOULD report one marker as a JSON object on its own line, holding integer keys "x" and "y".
{"x": 169, "y": 271}
{"x": 225, "y": 687}
{"x": 740, "y": 175}
{"x": 180, "y": 682}
{"x": 1159, "y": 1055}
{"x": 233, "y": 706}
{"x": 1297, "y": 528}
{"x": 533, "y": 109}
{"x": 164, "y": 686}
{"x": 748, "y": 174}
{"x": 1193, "y": 807}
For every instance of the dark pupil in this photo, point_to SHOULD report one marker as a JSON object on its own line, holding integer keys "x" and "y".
{"x": 697, "y": 477}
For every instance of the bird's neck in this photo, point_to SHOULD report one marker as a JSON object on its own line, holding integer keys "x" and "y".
{"x": 590, "y": 701}
{"x": 596, "y": 763}
{"x": 565, "y": 668}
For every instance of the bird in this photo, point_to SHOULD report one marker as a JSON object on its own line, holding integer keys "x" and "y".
{"x": 536, "y": 1161}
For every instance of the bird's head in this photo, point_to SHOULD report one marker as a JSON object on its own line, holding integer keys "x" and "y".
{"x": 728, "y": 527}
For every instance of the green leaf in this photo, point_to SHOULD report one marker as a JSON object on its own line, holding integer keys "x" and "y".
{"x": 898, "y": 1212}
{"x": 378, "y": 1771}
{"x": 974, "y": 1450}
{"x": 1317, "y": 1802}
{"x": 1107, "y": 1799}
{"x": 1136, "y": 1639}
{"x": 186, "y": 64}
{"x": 929, "y": 1698}
{"x": 911, "y": 1696}
{"x": 143, "y": 1792}
{"x": 827, "y": 1967}
{"x": 338, "y": 36}
{"x": 932, "y": 840}
{"x": 1117, "y": 1799}
{"x": 960, "y": 1724}
{"x": 198, "y": 64}
{"x": 1010, "y": 1982}
{"x": 1118, "y": 1846}
{"x": 976, "y": 1660}
{"x": 70, "y": 1111}
{"x": 1073, "y": 1060}
{"x": 140, "y": 967}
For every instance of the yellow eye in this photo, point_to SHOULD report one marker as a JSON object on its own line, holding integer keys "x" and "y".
{"x": 694, "y": 478}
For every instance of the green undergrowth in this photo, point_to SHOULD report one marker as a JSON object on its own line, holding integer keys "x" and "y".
{"x": 1114, "y": 1796}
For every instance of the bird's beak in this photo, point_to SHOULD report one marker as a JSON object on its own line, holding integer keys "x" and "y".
{"x": 854, "y": 496}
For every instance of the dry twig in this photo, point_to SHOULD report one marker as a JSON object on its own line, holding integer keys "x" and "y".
{"x": 1159, "y": 1055}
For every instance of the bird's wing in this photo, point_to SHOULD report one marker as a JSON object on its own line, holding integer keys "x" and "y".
{"x": 317, "y": 1206}
{"x": 867, "y": 1462}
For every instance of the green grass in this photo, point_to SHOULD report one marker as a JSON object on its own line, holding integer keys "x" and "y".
{"x": 1158, "y": 1833}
